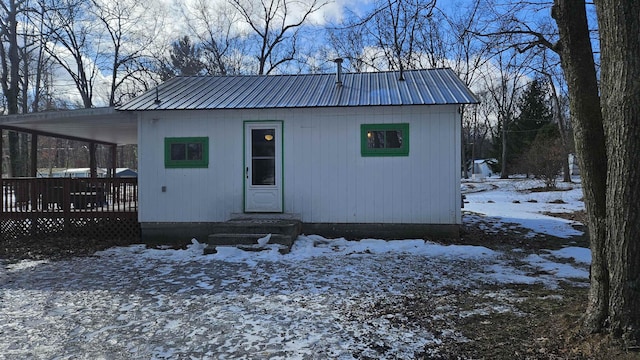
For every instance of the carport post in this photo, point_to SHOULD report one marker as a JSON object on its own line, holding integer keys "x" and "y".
{"x": 34, "y": 155}
{"x": 92, "y": 160}
{"x": 114, "y": 159}
{"x": 1, "y": 157}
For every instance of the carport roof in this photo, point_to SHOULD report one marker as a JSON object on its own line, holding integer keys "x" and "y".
{"x": 102, "y": 125}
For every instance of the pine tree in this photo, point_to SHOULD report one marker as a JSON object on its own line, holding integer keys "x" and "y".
{"x": 534, "y": 117}
{"x": 184, "y": 60}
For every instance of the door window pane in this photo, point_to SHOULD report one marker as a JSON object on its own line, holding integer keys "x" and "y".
{"x": 263, "y": 142}
{"x": 264, "y": 172}
{"x": 263, "y": 160}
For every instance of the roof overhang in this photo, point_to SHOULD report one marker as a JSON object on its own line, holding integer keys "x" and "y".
{"x": 100, "y": 125}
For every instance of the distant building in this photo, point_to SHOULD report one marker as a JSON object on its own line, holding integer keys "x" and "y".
{"x": 126, "y": 172}
{"x": 482, "y": 169}
{"x": 71, "y": 173}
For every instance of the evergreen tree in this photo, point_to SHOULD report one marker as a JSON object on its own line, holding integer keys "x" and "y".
{"x": 534, "y": 118}
{"x": 185, "y": 60}
{"x": 534, "y": 115}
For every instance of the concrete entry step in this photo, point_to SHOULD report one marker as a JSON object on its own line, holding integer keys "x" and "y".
{"x": 258, "y": 226}
{"x": 282, "y": 248}
{"x": 248, "y": 239}
{"x": 245, "y": 232}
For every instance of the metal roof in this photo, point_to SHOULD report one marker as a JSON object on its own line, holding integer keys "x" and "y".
{"x": 419, "y": 87}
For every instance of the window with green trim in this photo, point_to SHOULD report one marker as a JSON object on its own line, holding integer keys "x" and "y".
{"x": 186, "y": 152}
{"x": 384, "y": 139}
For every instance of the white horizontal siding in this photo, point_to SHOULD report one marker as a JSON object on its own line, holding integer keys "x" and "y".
{"x": 325, "y": 178}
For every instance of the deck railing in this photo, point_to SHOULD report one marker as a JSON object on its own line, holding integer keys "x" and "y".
{"x": 81, "y": 207}
{"x": 69, "y": 197}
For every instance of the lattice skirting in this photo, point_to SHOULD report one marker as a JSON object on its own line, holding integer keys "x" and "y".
{"x": 93, "y": 228}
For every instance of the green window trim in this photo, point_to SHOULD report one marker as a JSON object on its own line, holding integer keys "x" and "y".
{"x": 391, "y": 139}
{"x": 186, "y": 152}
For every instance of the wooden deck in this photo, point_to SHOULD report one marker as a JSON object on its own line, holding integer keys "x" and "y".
{"x": 36, "y": 206}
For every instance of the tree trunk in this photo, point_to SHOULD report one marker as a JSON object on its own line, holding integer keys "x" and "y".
{"x": 578, "y": 65}
{"x": 559, "y": 118}
{"x": 10, "y": 83}
{"x": 619, "y": 23}
{"x": 503, "y": 170}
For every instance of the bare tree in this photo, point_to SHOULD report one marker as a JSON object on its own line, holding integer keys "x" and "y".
{"x": 476, "y": 128}
{"x": 276, "y": 24}
{"x": 397, "y": 29}
{"x": 72, "y": 43}
{"x": 467, "y": 56}
{"x": 10, "y": 53}
{"x": 349, "y": 42}
{"x": 503, "y": 83}
{"x": 214, "y": 25}
{"x": 560, "y": 119}
{"x": 10, "y": 79}
{"x": 395, "y": 35}
{"x": 35, "y": 60}
{"x": 131, "y": 27}
{"x": 528, "y": 29}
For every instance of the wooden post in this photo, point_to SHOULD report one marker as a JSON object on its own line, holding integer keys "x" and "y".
{"x": 1, "y": 156}
{"x": 35, "y": 192}
{"x": 34, "y": 155}
{"x": 66, "y": 203}
{"x": 114, "y": 165}
{"x": 114, "y": 159}
{"x": 92, "y": 160}
{"x": 33, "y": 172}
{"x": 1, "y": 168}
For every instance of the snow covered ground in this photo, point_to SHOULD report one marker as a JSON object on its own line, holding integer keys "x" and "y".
{"x": 327, "y": 299}
{"x": 511, "y": 201}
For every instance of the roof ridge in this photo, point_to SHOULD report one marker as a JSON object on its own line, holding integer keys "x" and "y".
{"x": 308, "y": 74}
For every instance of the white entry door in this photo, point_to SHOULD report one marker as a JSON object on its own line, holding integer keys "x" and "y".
{"x": 263, "y": 167}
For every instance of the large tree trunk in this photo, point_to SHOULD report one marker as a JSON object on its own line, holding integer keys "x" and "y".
{"x": 619, "y": 23}
{"x": 578, "y": 65}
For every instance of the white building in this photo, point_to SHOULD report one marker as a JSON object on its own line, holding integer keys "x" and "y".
{"x": 355, "y": 153}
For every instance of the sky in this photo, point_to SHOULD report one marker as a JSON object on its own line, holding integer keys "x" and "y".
{"x": 167, "y": 19}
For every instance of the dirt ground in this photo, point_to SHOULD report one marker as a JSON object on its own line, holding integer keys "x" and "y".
{"x": 553, "y": 331}
{"x": 540, "y": 329}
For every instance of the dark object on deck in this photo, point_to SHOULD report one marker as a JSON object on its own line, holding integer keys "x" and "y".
{"x": 94, "y": 196}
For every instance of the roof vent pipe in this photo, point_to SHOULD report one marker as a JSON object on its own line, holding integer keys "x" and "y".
{"x": 157, "y": 100}
{"x": 338, "y": 62}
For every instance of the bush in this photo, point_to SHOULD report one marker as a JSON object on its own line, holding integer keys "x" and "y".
{"x": 544, "y": 160}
